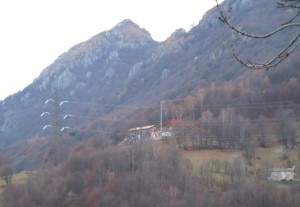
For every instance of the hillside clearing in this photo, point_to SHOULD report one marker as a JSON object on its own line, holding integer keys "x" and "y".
{"x": 18, "y": 178}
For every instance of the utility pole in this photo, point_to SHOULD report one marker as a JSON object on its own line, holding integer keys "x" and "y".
{"x": 57, "y": 148}
{"x": 161, "y": 112}
{"x": 55, "y": 112}
{"x": 56, "y": 119}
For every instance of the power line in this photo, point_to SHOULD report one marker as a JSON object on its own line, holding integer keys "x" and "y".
{"x": 92, "y": 130}
{"x": 66, "y": 116}
{"x": 207, "y": 106}
{"x": 108, "y": 104}
{"x": 213, "y": 122}
{"x": 186, "y": 121}
{"x": 268, "y": 136}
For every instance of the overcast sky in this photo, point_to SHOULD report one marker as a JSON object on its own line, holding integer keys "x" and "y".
{"x": 35, "y": 32}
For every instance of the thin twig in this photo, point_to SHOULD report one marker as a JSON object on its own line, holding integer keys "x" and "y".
{"x": 284, "y": 53}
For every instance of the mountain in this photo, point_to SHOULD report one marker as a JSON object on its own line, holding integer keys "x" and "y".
{"x": 105, "y": 61}
{"x": 124, "y": 67}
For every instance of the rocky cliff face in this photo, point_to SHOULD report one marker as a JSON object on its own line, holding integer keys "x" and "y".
{"x": 102, "y": 56}
{"x": 88, "y": 71}
{"x": 126, "y": 66}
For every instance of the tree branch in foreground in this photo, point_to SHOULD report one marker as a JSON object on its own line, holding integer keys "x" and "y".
{"x": 284, "y": 53}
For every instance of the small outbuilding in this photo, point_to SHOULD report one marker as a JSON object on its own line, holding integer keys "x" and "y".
{"x": 282, "y": 174}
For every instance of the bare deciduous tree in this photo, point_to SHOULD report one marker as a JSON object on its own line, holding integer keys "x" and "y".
{"x": 6, "y": 169}
{"x": 292, "y": 22}
{"x": 6, "y": 172}
{"x": 261, "y": 128}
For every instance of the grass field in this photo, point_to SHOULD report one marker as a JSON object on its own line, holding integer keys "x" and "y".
{"x": 202, "y": 156}
{"x": 278, "y": 156}
{"x": 17, "y": 178}
{"x": 274, "y": 156}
